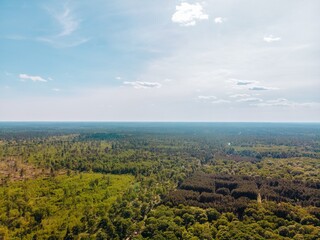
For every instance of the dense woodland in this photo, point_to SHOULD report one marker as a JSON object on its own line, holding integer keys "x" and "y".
{"x": 159, "y": 181}
{"x": 231, "y": 193}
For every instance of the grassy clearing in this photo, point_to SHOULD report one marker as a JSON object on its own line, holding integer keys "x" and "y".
{"x": 48, "y": 207}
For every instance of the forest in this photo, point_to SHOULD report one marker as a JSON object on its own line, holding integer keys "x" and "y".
{"x": 159, "y": 180}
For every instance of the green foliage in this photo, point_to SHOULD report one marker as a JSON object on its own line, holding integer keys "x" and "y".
{"x": 303, "y": 169}
{"x": 258, "y": 223}
{"x": 59, "y": 206}
{"x": 113, "y": 181}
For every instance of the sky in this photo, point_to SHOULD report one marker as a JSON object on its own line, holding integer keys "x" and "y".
{"x": 160, "y": 60}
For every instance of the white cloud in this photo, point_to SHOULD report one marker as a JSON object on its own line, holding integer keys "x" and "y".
{"x": 250, "y": 100}
{"x": 240, "y": 82}
{"x": 24, "y": 77}
{"x": 219, "y": 20}
{"x": 220, "y": 101}
{"x": 261, "y": 88}
{"x": 239, "y": 95}
{"x": 278, "y": 102}
{"x": 207, "y": 97}
{"x": 249, "y": 84}
{"x": 59, "y": 43}
{"x": 66, "y": 36}
{"x": 138, "y": 84}
{"x": 118, "y": 78}
{"x": 56, "y": 89}
{"x": 282, "y": 102}
{"x": 188, "y": 14}
{"x": 271, "y": 38}
{"x": 67, "y": 21}
{"x": 245, "y": 82}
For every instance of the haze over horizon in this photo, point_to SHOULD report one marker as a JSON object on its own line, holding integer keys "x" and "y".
{"x": 180, "y": 61}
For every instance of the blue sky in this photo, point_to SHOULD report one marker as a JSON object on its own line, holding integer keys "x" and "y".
{"x": 217, "y": 60}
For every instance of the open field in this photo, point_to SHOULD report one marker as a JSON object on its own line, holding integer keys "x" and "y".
{"x": 49, "y": 207}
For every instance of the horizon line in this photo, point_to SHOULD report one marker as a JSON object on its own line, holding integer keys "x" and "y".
{"x": 132, "y": 121}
